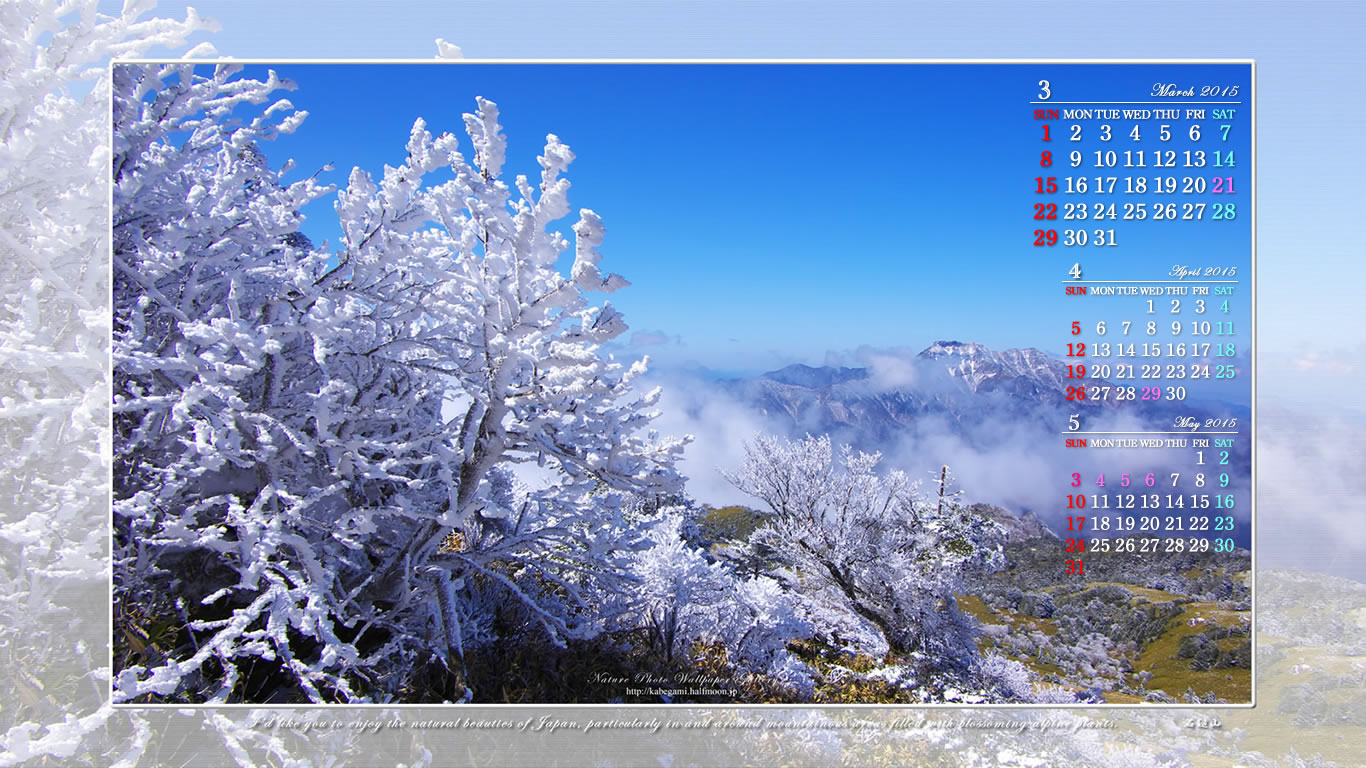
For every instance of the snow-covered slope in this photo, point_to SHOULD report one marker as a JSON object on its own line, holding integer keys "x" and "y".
{"x": 1019, "y": 371}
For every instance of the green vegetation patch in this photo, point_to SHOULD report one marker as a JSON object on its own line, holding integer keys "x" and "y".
{"x": 729, "y": 523}
{"x": 1188, "y": 654}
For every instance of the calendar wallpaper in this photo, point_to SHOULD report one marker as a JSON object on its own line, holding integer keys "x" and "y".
{"x": 829, "y": 174}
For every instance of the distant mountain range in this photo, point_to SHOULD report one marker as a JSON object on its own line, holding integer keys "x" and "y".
{"x": 966, "y": 384}
{"x": 1017, "y": 372}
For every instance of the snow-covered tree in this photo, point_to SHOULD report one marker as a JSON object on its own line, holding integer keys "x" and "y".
{"x": 321, "y": 447}
{"x": 682, "y": 597}
{"x": 211, "y": 508}
{"x": 473, "y": 308}
{"x": 679, "y": 589}
{"x": 869, "y": 542}
{"x": 54, "y": 326}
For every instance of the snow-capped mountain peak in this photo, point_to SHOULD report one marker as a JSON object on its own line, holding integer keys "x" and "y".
{"x": 980, "y": 368}
{"x": 957, "y": 348}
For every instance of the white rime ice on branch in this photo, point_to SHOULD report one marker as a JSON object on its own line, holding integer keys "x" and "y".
{"x": 870, "y": 543}
{"x": 684, "y": 599}
{"x": 202, "y": 246}
{"x": 298, "y": 431}
{"x": 54, "y": 369}
{"x": 448, "y": 50}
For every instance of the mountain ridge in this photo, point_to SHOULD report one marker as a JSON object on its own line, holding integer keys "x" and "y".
{"x": 965, "y": 383}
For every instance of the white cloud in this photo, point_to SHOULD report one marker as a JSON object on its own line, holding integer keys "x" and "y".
{"x": 1311, "y": 482}
{"x": 1313, "y": 361}
{"x": 720, "y": 426}
{"x": 652, "y": 339}
{"x": 890, "y": 372}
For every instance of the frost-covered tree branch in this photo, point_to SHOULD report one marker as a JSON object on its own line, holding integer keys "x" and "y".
{"x": 54, "y": 331}
{"x": 316, "y": 450}
{"x": 870, "y": 542}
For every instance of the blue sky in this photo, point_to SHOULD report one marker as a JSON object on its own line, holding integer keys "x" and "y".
{"x": 768, "y": 214}
{"x": 1310, "y": 77}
